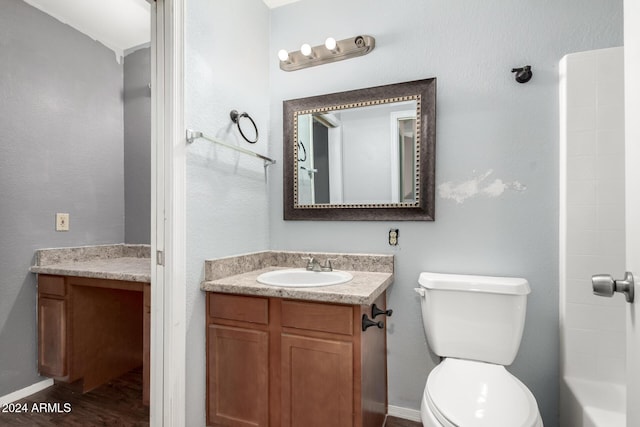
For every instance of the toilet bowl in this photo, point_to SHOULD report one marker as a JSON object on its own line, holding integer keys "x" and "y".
{"x": 475, "y": 323}
{"x": 468, "y": 393}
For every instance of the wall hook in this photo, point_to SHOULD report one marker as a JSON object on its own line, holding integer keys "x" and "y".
{"x": 523, "y": 74}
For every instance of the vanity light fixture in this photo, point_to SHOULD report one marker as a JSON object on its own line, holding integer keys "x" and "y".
{"x": 331, "y": 44}
{"x": 307, "y": 50}
{"x": 332, "y": 50}
{"x": 283, "y": 55}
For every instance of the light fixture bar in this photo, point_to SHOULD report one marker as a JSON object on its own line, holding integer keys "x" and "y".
{"x": 344, "y": 49}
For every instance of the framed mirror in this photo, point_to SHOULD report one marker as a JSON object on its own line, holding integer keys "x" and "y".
{"x": 366, "y": 154}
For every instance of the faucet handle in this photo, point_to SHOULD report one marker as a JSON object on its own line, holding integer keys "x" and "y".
{"x": 311, "y": 261}
{"x": 327, "y": 264}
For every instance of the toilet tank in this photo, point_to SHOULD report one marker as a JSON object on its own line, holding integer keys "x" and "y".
{"x": 474, "y": 317}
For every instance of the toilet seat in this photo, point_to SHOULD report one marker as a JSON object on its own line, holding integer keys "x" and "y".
{"x": 477, "y": 394}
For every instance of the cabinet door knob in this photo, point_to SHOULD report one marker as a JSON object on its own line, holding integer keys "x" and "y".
{"x": 367, "y": 323}
{"x": 375, "y": 311}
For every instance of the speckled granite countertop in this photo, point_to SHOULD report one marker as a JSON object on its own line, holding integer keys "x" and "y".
{"x": 372, "y": 275}
{"x": 114, "y": 262}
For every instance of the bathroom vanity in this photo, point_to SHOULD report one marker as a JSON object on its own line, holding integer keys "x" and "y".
{"x": 290, "y": 356}
{"x": 94, "y": 311}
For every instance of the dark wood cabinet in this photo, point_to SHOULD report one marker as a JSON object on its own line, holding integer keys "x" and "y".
{"x": 92, "y": 330}
{"x": 53, "y": 328}
{"x": 146, "y": 344}
{"x": 52, "y": 333}
{"x": 291, "y": 363}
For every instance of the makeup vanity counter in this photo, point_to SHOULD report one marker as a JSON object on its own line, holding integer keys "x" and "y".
{"x": 112, "y": 262}
{"x": 296, "y": 356}
{"x": 94, "y": 313}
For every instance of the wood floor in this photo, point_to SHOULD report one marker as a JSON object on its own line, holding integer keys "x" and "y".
{"x": 117, "y": 403}
{"x": 399, "y": 422}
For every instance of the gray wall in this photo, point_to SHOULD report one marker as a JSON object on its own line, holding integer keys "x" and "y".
{"x": 489, "y": 128}
{"x": 226, "y": 64}
{"x": 137, "y": 146}
{"x": 60, "y": 151}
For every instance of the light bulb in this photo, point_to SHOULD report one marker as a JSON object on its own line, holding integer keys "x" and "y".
{"x": 283, "y": 55}
{"x": 330, "y": 43}
{"x": 305, "y": 49}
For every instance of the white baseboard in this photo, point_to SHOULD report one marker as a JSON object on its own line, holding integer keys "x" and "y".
{"x": 24, "y": 392}
{"x": 404, "y": 413}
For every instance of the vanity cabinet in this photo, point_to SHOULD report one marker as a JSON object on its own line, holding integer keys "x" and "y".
{"x": 237, "y": 361}
{"x": 146, "y": 344}
{"x": 92, "y": 330}
{"x": 293, "y": 363}
{"x": 52, "y": 326}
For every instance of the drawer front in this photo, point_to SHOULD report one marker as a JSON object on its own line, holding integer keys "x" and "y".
{"x": 336, "y": 319}
{"x": 239, "y": 307}
{"x": 51, "y": 285}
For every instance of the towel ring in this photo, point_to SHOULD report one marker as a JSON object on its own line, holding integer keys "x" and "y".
{"x": 235, "y": 118}
{"x": 302, "y": 158}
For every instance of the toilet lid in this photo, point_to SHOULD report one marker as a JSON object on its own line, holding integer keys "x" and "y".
{"x": 478, "y": 394}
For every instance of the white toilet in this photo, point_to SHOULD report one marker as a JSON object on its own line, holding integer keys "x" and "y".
{"x": 475, "y": 324}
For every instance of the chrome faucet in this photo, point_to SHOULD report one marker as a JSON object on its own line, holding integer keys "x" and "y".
{"x": 314, "y": 265}
{"x": 327, "y": 265}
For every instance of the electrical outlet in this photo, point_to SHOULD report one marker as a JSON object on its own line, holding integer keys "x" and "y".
{"x": 62, "y": 222}
{"x": 393, "y": 236}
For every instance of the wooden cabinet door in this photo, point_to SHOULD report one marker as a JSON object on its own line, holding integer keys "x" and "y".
{"x": 146, "y": 344}
{"x": 317, "y": 382}
{"x": 52, "y": 337}
{"x": 238, "y": 376}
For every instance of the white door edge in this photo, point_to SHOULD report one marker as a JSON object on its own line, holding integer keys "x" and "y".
{"x": 632, "y": 199}
{"x": 168, "y": 298}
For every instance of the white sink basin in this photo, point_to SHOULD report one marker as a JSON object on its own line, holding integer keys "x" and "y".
{"x": 302, "y": 278}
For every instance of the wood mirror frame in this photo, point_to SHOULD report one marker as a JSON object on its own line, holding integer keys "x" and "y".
{"x": 424, "y": 92}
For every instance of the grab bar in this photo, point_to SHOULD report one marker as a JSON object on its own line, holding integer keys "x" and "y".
{"x": 192, "y": 135}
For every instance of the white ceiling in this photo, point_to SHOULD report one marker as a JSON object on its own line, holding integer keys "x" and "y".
{"x": 117, "y": 24}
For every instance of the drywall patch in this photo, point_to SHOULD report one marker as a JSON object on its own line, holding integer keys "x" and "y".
{"x": 477, "y": 186}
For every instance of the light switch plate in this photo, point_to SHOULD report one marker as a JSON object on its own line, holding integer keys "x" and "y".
{"x": 62, "y": 222}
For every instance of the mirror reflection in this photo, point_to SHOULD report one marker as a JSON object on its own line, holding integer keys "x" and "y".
{"x": 361, "y": 155}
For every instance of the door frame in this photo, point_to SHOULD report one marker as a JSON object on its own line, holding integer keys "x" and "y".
{"x": 632, "y": 200}
{"x": 168, "y": 224}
